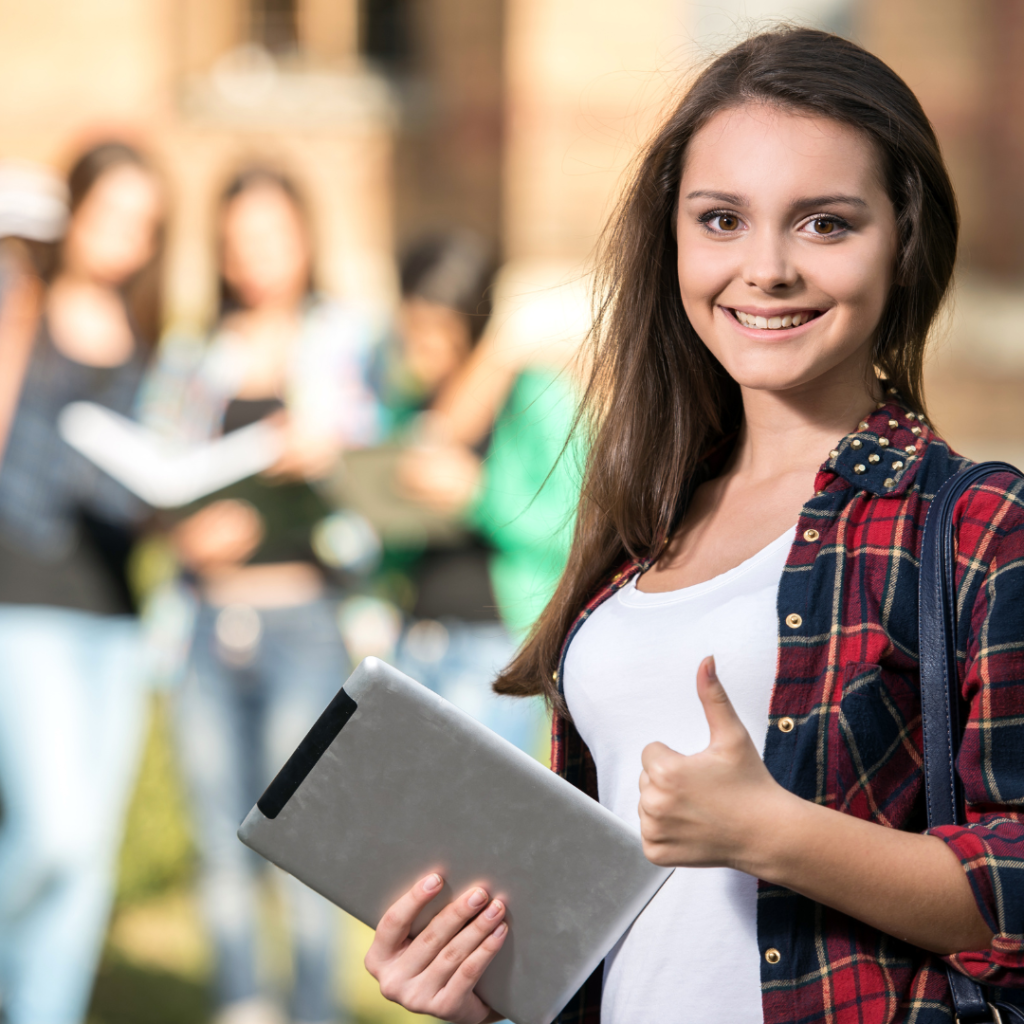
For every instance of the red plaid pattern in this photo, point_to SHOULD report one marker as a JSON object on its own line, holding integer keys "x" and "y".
{"x": 848, "y": 677}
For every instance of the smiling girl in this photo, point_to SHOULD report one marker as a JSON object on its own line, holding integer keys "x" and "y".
{"x": 751, "y": 517}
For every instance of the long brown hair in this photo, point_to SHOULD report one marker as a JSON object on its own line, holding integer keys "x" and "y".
{"x": 657, "y": 399}
{"x": 143, "y": 292}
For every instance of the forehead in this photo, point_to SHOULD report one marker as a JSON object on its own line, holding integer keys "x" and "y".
{"x": 126, "y": 184}
{"x": 758, "y": 150}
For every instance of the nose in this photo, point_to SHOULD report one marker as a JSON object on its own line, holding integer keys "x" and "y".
{"x": 768, "y": 265}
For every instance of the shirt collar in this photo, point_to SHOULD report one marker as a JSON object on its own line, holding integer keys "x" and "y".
{"x": 882, "y": 455}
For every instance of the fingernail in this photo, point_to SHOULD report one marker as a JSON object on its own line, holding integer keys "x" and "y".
{"x": 477, "y": 898}
{"x": 500, "y": 930}
{"x": 431, "y": 882}
{"x": 711, "y": 668}
{"x": 493, "y": 910}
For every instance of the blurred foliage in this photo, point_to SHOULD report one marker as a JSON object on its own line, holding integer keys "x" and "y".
{"x": 129, "y": 993}
{"x": 152, "y": 563}
{"x": 157, "y": 854}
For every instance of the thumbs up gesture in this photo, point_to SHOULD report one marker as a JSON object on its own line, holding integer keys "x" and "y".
{"x": 710, "y": 809}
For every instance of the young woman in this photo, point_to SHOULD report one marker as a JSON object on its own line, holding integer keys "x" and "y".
{"x": 744, "y": 576}
{"x": 266, "y": 655}
{"x": 71, "y": 695}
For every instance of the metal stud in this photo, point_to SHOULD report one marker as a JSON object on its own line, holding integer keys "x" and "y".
{"x": 897, "y": 465}
{"x": 879, "y": 405}
{"x": 894, "y": 424}
{"x": 863, "y": 425}
{"x": 860, "y": 468}
{"x": 794, "y": 621}
{"x": 874, "y": 457}
{"x": 834, "y": 454}
{"x": 911, "y": 416}
{"x": 916, "y": 431}
{"x": 811, "y": 536}
{"x": 893, "y": 391}
{"x": 883, "y": 442}
{"x": 856, "y": 443}
{"x": 889, "y": 482}
{"x": 786, "y": 724}
{"x": 910, "y": 449}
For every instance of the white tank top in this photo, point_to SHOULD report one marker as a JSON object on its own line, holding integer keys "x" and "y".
{"x": 630, "y": 678}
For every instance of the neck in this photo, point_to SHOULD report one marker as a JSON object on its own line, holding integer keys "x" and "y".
{"x": 72, "y": 277}
{"x": 794, "y": 430}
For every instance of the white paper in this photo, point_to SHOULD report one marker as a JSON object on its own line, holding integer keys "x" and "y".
{"x": 162, "y": 473}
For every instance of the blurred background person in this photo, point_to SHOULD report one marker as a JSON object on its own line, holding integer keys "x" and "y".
{"x": 71, "y": 694}
{"x": 485, "y": 425}
{"x": 454, "y": 640}
{"x": 266, "y": 656}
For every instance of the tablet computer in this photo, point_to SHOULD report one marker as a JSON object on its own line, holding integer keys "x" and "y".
{"x": 393, "y": 782}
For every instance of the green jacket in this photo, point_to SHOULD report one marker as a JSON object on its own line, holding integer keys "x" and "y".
{"x": 526, "y": 504}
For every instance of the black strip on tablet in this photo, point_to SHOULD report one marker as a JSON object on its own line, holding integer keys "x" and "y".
{"x": 306, "y": 755}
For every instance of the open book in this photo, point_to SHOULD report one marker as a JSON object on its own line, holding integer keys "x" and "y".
{"x": 161, "y": 472}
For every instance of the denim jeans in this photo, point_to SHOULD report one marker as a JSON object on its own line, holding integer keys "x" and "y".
{"x": 72, "y": 710}
{"x": 257, "y": 681}
{"x": 459, "y": 660}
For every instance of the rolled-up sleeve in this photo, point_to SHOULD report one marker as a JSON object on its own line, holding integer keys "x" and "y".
{"x": 990, "y": 845}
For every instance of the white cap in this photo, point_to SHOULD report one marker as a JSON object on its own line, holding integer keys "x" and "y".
{"x": 33, "y": 202}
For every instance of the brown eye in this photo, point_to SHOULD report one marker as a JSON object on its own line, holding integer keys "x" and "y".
{"x": 824, "y": 227}
{"x": 727, "y": 222}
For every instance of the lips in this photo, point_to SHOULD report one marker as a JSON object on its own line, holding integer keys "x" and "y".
{"x": 775, "y": 322}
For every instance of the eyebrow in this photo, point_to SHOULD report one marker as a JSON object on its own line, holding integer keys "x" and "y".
{"x": 733, "y": 199}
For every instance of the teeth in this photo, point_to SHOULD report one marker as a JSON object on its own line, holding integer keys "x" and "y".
{"x": 774, "y": 323}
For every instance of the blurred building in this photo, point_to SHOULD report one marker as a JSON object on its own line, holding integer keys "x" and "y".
{"x": 963, "y": 59}
{"x": 206, "y": 84}
{"x": 516, "y": 118}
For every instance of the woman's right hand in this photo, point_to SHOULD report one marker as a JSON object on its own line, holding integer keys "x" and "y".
{"x": 435, "y": 973}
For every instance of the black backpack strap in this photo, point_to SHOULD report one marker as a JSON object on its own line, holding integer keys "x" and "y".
{"x": 941, "y": 698}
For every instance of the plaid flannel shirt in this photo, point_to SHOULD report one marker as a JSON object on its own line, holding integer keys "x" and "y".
{"x": 845, "y": 721}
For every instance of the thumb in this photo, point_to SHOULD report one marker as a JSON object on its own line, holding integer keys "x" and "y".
{"x": 721, "y": 715}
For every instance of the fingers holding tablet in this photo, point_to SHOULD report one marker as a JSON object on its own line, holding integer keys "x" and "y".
{"x": 436, "y": 972}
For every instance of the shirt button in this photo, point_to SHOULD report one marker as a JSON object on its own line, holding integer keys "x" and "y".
{"x": 794, "y": 621}
{"x": 811, "y": 536}
{"x": 773, "y": 956}
{"x": 786, "y": 724}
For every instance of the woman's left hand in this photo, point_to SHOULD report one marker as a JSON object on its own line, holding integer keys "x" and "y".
{"x": 707, "y": 809}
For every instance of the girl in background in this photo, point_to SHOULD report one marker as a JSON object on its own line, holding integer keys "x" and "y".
{"x": 486, "y": 450}
{"x": 266, "y": 656}
{"x": 71, "y": 696}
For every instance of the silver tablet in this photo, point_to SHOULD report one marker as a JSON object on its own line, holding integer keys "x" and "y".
{"x": 393, "y": 782}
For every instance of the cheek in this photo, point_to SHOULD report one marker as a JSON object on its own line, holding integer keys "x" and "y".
{"x": 853, "y": 279}
{"x": 704, "y": 271}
